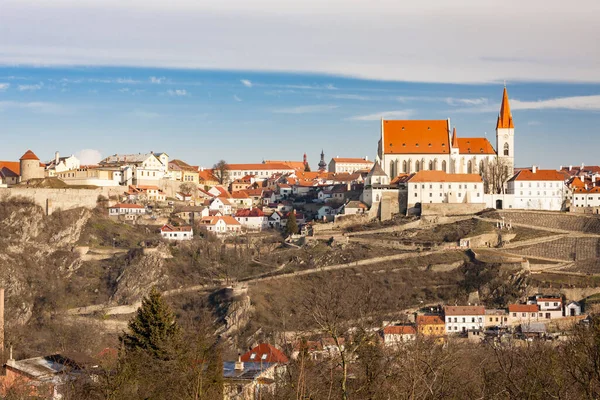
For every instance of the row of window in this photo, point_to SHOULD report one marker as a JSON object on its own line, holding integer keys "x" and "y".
{"x": 460, "y": 186}
{"x": 544, "y": 193}
{"x": 441, "y": 194}
{"x": 464, "y": 320}
{"x": 550, "y": 184}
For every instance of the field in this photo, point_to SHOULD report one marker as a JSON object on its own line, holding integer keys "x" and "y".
{"x": 574, "y": 223}
{"x": 567, "y": 249}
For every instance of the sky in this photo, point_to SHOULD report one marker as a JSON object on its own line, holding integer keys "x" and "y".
{"x": 248, "y": 81}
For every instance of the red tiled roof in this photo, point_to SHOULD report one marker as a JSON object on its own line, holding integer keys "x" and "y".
{"x": 399, "y": 330}
{"x": 297, "y": 165}
{"x": 13, "y": 166}
{"x": 429, "y": 320}
{"x": 254, "y": 192}
{"x": 171, "y": 228}
{"x": 241, "y": 194}
{"x": 415, "y": 137}
{"x": 207, "y": 176}
{"x": 229, "y": 220}
{"x": 474, "y": 146}
{"x": 271, "y": 354}
{"x": 255, "y": 212}
{"x": 441, "y": 176}
{"x": 539, "y": 175}
{"x": 520, "y": 308}
{"x": 464, "y": 310}
{"x": 29, "y": 155}
{"x": 505, "y": 117}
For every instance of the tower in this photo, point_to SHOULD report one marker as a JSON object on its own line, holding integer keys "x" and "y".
{"x": 30, "y": 167}
{"x": 505, "y": 135}
{"x": 304, "y": 159}
{"x": 322, "y": 163}
{"x": 455, "y": 166}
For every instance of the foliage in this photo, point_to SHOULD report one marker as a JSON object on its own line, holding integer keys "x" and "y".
{"x": 291, "y": 226}
{"x": 221, "y": 171}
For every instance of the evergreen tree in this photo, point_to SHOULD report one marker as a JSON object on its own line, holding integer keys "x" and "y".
{"x": 291, "y": 226}
{"x": 154, "y": 329}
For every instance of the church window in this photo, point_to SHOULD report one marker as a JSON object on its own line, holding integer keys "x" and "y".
{"x": 469, "y": 167}
{"x": 505, "y": 149}
{"x": 404, "y": 166}
{"x": 417, "y": 166}
{"x": 444, "y": 165}
{"x": 435, "y": 164}
{"x": 431, "y": 165}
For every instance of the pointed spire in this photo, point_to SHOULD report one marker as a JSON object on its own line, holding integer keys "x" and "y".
{"x": 454, "y": 139}
{"x": 505, "y": 117}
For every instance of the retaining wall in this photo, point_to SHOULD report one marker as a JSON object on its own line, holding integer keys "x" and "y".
{"x": 451, "y": 208}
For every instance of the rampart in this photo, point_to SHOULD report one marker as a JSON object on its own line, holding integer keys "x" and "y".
{"x": 445, "y": 209}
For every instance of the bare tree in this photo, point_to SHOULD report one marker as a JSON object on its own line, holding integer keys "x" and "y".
{"x": 188, "y": 188}
{"x": 495, "y": 175}
{"x": 221, "y": 171}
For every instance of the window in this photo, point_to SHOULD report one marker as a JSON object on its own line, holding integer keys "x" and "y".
{"x": 505, "y": 149}
{"x": 415, "y": 195}
{"x": 444, "y": 166}
{"x": 404, "y": 166}
{"x": 252, "y": 356}
{"x": 264, "y": 357}
{"x": 417, "y": 166}
{"x": 455, "y": 319}
{"x": 430, "y": 194}
{"x": 472, "y": 319}
{"x": 524, "y": 314}
{"x": 470, "y": 167}
{"x": 430, "y": 164}
{"x": 464, "y": 319}
{"x": 460, "y": 186}
{"x": 514, "y": 314}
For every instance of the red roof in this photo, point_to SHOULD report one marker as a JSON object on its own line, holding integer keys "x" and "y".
{"x": 12, "y": 166}
{"x": 474, "y": 146}
{"x": 171, "y": 228}
{"x": 241, "y": 194}
{"x": 207, "y": 175}
{"x": 260, "y": 167}
{"x": 399, "y": 330}
{"x": 441, "y": 176}
{"x": 521, "y": 308}
{"x": 229, "y": 220}
{"x": 429, "y": 320}
{"x": 505, "y": 117}
{"x": 416, "y": 137}
{"x": 255, "y": 212}
{"x": 29, "y": 155}
{"x": 464, "y": 310}
{"x": 265, "y": 353}
{"x": 539, "y": 175}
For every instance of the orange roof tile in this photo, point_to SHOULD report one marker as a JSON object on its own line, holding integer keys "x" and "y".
{"x": 505, "y": 117}
{"x": 454, "y": 138}
{"x": 207, "y": 175}
{"x": 430, "y": 320}
{"x": 297, "y": 165}
{"x": 464, "y": 310}
{"x": 255, "y": 212}
{"x": 29, "y": 155}
{"x": 13, "y": 166}
{"x": 229, "y": 220}
{"x": 171, "y": 228}
{"x": 523, "y": 308}
{"x": 241, "y": 194}
{"x": 474, "y": 146}
{"x": 576, "y": 182}
{"x": 265, "y": 353}
{"x": 415, "y": 137}
{"x": 539, "y": 175}
{"x": 441, "y": 176}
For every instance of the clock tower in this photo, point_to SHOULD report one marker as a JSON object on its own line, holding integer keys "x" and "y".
{"x": 505, "y": 135}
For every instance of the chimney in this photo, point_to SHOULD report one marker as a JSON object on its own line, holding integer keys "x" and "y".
{"x": 239, "y": 365}
{"x": 534, "y": 168}
{"x": 56, "y": 157}
{"x": 366, "y": 158}
{"x": 582, "y": 165}
{"x": 570, "y": 167}
{"x": 1, "y": 323}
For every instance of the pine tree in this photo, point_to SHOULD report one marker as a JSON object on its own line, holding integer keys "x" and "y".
{"x": 291, "y": 226}
{"x": 154, "y": 329}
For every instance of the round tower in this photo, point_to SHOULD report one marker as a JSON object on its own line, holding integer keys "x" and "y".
{"x": 30, "y": 166}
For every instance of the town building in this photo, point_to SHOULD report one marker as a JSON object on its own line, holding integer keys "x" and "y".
{"x": 495, "y": 317}
{"x": 430, "y": 325}
{"x": 190, "y": 214}
{"x": 170, "y": 232}
{"x": 94, "y": 176}
{"x": 583, "y": 197}
{"x": 538, "y": 189}
{"x": 265, "y": 352}
{"x": 261, "y": 172}
{"x": 398, "y": 334}
{"x": 61, "y": 164}
{"x": 349, "y": 165}
{"x": 221, "y": 225}
{"x": 126, "y": 209}
{"x": 30, "y": 167}
{"x": 252, "y": 219}
{"x": 460, "y": 319}
{"x": 355, "y": 207}
{"x": 10, "y": 172}
{"x": 249, "y": 380}
{"x": 573, "y": 309}
{"x": 146, "y": 169}
{"x": 522, "y": 313}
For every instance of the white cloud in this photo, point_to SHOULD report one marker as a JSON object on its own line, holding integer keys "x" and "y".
{"x": 306, "y": 109}
{"x": 31, "y": 88}
{"x": 589, "y": 103}
{"x": 466, "y": 102}
{"x": 178, "y": 92}
{"x": 246, "y": 83}
{"x": 4, "y": 86}
{"x": 397, "y": 114}
{"x": 437, "y": 40}
{"x": 157, "y": 80}
{"x": 236, "y": 97}
{"x": 89, "y": 156}
{"x": 36, "y": 106}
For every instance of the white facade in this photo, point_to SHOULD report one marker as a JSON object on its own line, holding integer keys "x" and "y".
{"x": 126, "y": 209}
{"x": 573, "y": 309}
{"x": 538, "y": 190}
{"x": 460, "y": 319}
{"x": 261, "y": 172}
{"x": 169, "y": 232}
{"x": 62, "y": 164}
{"x": 349, "y": 165}
{"x": 256, "y": 223}
{"x": 439, "y": 187}
{"x": 222, "y": 205}
{"x": 586, "y": 198}
{"x": 222, "y": 225}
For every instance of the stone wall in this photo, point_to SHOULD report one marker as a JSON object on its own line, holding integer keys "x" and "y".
{"x": 64, "y": 199}
{"x": 451, "y": 209}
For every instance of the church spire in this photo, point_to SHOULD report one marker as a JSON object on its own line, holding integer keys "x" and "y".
{"x": 505, "y": 117}
{"x": 322, "y": 163}
{"x": 454, "y": 139}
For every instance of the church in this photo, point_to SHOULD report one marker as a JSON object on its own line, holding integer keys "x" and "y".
{"x": 408, "y": 146}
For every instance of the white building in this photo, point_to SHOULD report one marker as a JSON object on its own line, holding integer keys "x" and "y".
{"x": 538, "y": 189}
{"x": 252, "y": 219}
{"x": 549, "y": 307}
{"x": 396, "y": 335}
{"x": 61, "y": 164}
{"x": 583, "y": 197}
{"x": 260, "y": 172}
{"x": 441, "y": 187}
{"x": 376, "y": 182}
{"x": 126, "y": 209}
{"x": 573, "y": 309}
{"x": 349, "y": 165}
{"x": 221, "y": 204}
{"x": 146, "y": 169}
{"x": 221, "y": 225}
{"x": 522, "y": 313}
{"x": 170, "y": 232}
{"x": 460, "y": 319}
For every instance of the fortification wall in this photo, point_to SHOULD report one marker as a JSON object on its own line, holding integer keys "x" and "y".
{"x": 64, "y": 199}
{"x": 451, "y": 208}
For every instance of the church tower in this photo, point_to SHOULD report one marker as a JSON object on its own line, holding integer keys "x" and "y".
{"x": 505, "y": 134}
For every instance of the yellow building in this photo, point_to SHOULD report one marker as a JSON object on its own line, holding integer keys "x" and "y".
{"x": 431, "y": 325}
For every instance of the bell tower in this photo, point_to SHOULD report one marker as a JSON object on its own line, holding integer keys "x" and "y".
{"x": 505, "y": 135}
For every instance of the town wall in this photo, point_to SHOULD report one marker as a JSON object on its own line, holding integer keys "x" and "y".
{"x": 64, "y": 199}
{"x": 451, "y": 209}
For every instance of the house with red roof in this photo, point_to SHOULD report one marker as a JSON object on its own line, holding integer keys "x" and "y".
{"x": 265, "y": 352}
{"x": 221, "y": 204}
{"x": 398, "y": 334}
{"x": 10, "y": 172}
{"x": 538, "y": 189}
{"x": 252, "y": 219}
{"x": 221, "y": 225}
{"x": 170, "y": 232}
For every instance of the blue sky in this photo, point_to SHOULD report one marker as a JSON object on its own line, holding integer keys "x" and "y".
{"x": 247, "y": 81}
